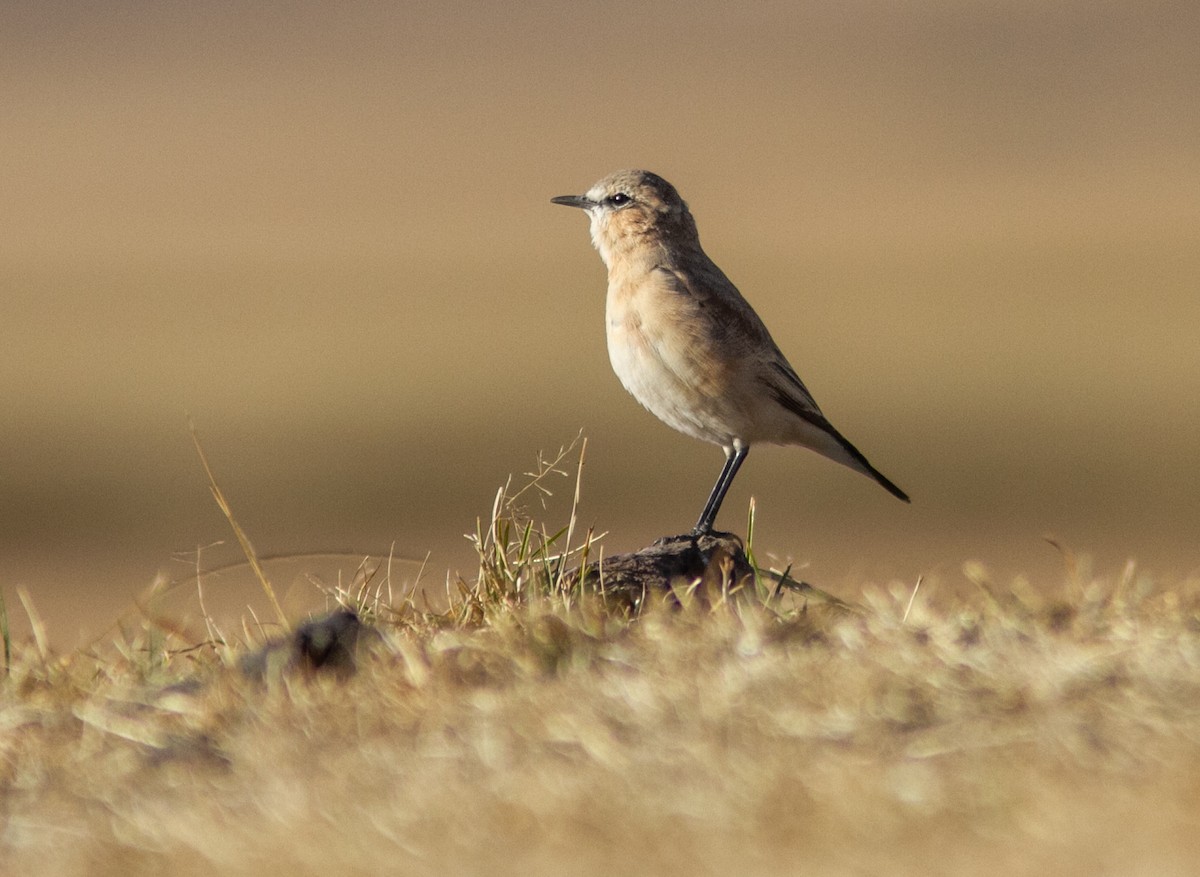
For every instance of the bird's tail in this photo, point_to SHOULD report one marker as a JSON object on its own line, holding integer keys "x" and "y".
{"x": 820, "y": 435}
{"x": 856, "y": 461}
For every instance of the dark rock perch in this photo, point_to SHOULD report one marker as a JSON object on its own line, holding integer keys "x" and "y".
{"x": 716, "y": 561}
{"x": 710, "y": 568}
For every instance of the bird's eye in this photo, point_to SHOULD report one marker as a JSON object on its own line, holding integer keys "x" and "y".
{"x": 618, "y": 199}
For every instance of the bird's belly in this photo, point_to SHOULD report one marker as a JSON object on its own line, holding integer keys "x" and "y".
{"x": 678, "y": 397}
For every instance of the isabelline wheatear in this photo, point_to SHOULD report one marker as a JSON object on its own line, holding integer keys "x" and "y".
{"x": 686, "y": 344}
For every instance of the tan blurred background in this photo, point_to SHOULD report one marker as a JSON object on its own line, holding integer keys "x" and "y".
{"x": 324, "y": 231}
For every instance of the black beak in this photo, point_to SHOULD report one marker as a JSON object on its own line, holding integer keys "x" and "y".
{"x": 581, "y": 201}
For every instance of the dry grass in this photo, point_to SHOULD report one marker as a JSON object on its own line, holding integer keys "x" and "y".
{"x": 525, "y": 730}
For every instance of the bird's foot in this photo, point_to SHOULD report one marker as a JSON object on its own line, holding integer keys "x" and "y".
{"x": 714, "y": 534}
{"x": 699, "y": 538}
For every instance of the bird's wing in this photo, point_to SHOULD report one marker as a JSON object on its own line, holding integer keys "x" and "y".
{"x": 742, "y": 333}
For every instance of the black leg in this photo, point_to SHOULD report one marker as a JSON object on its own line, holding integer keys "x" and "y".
{"x": 707, "y": 517}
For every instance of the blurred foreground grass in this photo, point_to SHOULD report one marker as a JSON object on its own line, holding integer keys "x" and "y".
{"x": 527, "y": 730}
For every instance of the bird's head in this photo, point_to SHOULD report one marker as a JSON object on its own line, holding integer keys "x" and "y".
{"x": 632, "y": 209}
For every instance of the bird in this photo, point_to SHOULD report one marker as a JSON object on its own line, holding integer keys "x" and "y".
{"x": 686, "y": 344}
